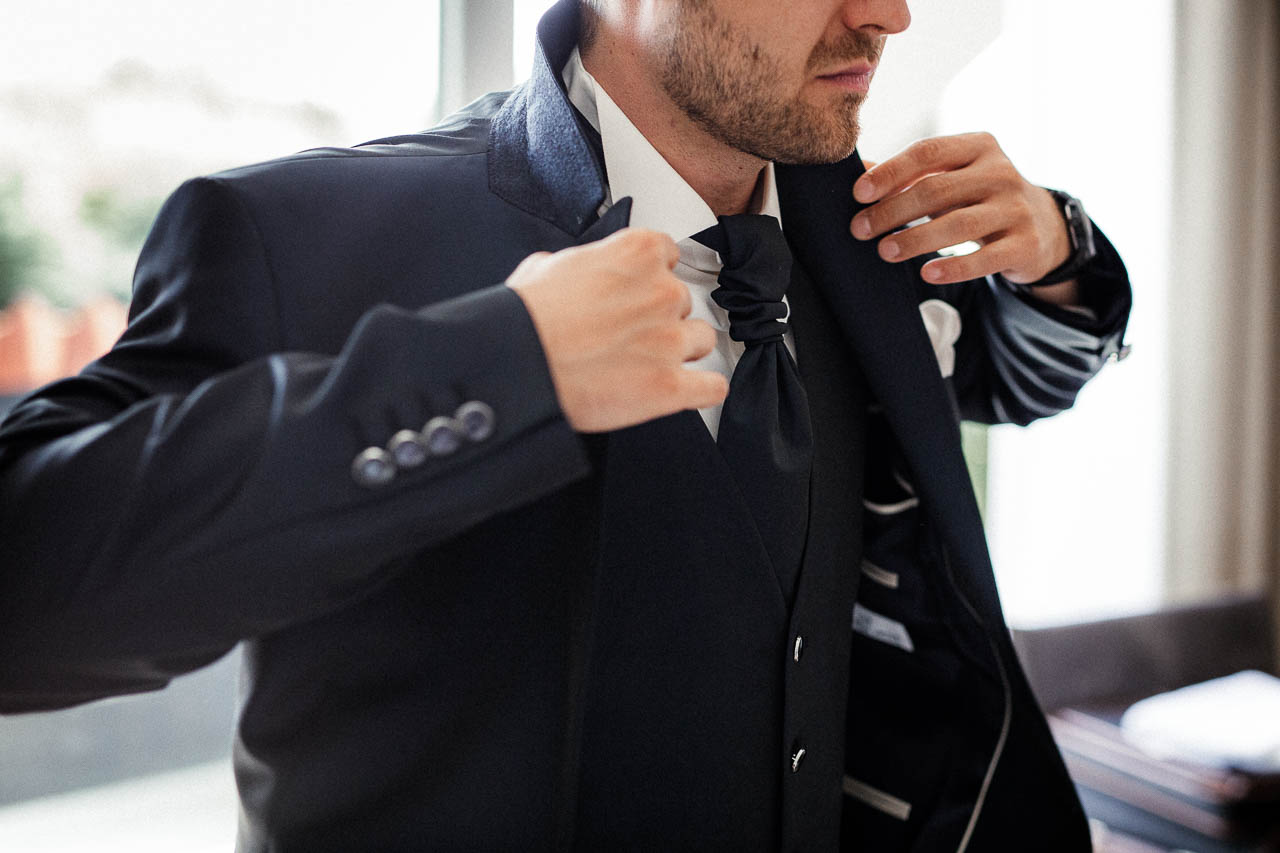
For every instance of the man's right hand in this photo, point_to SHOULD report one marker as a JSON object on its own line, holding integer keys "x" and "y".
{"x": 614, "y": 324}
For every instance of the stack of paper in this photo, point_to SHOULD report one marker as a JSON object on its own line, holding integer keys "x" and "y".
{"x": 1227, "y": 722}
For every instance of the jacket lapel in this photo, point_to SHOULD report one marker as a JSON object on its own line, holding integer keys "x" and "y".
{"x": 837, "y": 410}
{"x": 876, "y": 310}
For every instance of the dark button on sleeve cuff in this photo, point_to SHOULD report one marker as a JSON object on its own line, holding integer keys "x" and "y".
{"x": 476, "y": 420}
{"x": 407, "y": 449}
{"x": 373, "y": 467}
{"x": 441, "y": 435}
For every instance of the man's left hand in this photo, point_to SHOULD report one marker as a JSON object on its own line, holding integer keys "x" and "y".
{"x": 971, "y": 192}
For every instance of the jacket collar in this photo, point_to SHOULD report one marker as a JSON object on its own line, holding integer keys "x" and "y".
{"x": 540, "y": 157}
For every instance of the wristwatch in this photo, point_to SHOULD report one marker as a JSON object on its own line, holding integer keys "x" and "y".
{"x": 1080, "y": 230}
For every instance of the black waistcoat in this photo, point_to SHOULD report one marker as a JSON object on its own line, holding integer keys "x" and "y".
{"x": 696, "y": 683}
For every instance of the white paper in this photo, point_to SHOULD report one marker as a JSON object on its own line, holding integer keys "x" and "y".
{"x": 1227, "y": 722}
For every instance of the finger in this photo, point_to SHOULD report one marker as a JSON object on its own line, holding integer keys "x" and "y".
{"x": 975, "y": 222}
{"x": 699, "y": 389}
{"x": 924, "y": 157}
{"x": 931, "y": 196}
{"x": 660, "y": 243}
{"x": 672, "y": 252}
{"x": 684, "y": 305}
{"x": 700, "y": 339}
{"x": 991, "y": 258}
{"x": 663, "y": 245}
{"x": 643, "y": 241}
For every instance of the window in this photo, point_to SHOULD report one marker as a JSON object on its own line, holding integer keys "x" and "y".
{"x": 104, "y": 110}
{"x": 1075, "y": 511}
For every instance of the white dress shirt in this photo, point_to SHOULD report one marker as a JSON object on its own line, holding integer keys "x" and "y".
{"x": 663, "y": 201}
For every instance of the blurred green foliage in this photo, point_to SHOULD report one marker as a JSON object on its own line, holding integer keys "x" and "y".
{"x": 974, "y": 439}
{"x": 123, "y": 221}
{"x": 22, "y": 250}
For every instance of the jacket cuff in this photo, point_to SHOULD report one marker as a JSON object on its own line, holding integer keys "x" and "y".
{"x": 1106, "y": 298}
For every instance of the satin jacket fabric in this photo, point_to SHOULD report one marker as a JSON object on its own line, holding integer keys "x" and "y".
{"x": 508, "y": 647}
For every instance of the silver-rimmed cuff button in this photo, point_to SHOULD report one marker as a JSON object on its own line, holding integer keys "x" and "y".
{"x": 796, "y": 758}
{"x": 441, "y": 436}
{"x": 476, "y": 419}
{"x": 1120, "y": 354}
{"x": 373, "y": 466}
{"x": 407, "y": 448}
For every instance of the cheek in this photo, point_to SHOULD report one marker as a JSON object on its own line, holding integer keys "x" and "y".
{"x": 780, "y": 66}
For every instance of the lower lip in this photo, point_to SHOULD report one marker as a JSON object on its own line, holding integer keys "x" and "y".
{"x": 850, "y": 82}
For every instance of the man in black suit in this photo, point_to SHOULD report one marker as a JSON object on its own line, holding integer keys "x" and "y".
{"x": 427, "y": 425}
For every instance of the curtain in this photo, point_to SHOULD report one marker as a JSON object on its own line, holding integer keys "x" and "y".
{"x": 1224, "y": 470}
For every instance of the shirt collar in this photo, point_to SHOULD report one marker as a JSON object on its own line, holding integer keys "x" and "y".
{"x": 661, "y": 199}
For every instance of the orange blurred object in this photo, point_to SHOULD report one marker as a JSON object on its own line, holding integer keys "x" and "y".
{"x": 39, "y": 344}
{"x": 90, "y": 332}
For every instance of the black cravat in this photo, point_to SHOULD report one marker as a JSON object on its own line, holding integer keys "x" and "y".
{"x": 765, "y": 435}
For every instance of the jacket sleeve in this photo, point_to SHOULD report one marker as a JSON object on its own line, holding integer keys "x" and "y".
{"x": 1019, "y": 358}
{"x": 194, "y": 486}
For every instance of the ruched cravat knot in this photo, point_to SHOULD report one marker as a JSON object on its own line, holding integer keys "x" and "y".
{"x": 765, "y": 434}
{"x": 757, "y": 270}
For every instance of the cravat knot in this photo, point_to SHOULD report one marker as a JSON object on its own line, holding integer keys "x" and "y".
{"x": 755, "y": 275}
{"x": 765, "y": 434}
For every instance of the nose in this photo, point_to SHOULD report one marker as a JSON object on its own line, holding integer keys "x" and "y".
{"x": 881, "y": 16}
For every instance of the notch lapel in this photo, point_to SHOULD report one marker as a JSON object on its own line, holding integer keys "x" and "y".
{"x": 876, "y": 310}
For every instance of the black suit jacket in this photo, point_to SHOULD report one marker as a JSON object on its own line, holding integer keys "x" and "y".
{"x": 519, "y": 644}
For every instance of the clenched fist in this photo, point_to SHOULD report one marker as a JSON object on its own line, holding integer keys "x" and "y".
{"x": 614, "y": 324}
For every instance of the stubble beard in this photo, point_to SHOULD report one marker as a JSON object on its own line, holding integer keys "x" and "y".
{"x": 729, "y": 87}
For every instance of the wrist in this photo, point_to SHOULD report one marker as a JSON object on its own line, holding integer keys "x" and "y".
{"x": 1078, "y": 231}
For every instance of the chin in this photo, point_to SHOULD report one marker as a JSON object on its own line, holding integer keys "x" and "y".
{"x": 816, "y": 151}
{"x": 817, "y": 136}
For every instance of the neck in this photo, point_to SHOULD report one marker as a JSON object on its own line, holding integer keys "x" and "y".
{"x": 724, "y": 177}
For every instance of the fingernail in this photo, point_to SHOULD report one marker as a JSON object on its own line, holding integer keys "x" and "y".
{"x": 861, "y": 227}
{"x": 932, "y": 273}
{"x": 889, "y": 249}
{"x": 864, "y": 190}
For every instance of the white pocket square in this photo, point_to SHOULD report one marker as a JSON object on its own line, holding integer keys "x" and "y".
{"x": 942, "y": 322}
